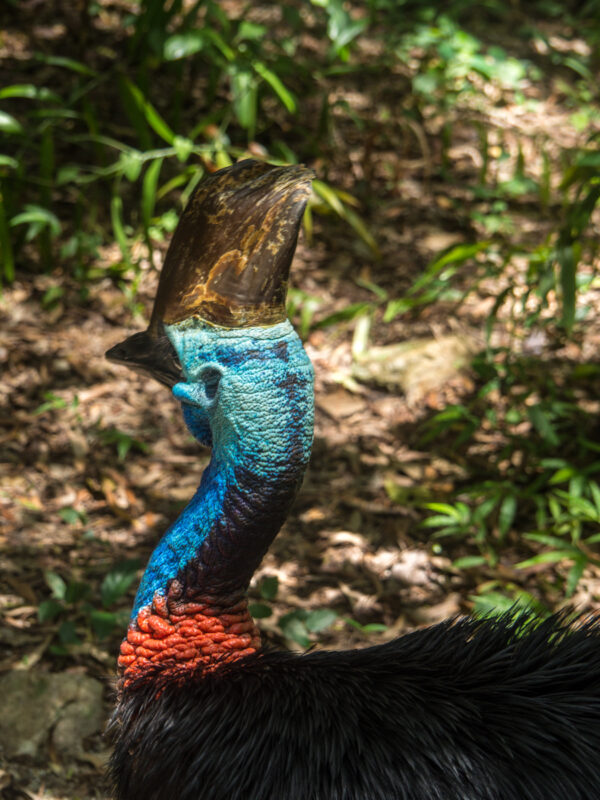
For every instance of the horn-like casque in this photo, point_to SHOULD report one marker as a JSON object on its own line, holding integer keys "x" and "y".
{"x": 228, "y": 262}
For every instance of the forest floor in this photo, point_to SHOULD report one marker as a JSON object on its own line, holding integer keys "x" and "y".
{"x": 95, "y": 460}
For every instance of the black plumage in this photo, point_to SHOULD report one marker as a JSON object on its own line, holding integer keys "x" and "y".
{"x": 465, "y": 710}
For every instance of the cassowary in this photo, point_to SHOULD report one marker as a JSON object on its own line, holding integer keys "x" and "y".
{"x": 494, "y": 709}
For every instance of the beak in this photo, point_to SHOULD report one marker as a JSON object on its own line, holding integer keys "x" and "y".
{"x": 150, "y": 354}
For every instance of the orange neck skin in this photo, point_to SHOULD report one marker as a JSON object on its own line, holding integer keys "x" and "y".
{"x": 183, "y": 635}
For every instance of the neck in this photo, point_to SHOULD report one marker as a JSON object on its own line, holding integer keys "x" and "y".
{"x": 191, "y": 606}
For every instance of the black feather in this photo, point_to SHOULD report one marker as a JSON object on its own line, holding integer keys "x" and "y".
{"x": 466, "y": 710}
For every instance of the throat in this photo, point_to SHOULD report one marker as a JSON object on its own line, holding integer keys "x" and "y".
{"x": 180, "y": 635}
{"x": 205, "y": 562}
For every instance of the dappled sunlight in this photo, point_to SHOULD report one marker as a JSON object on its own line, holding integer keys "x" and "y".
{"x": 445, "y": 287}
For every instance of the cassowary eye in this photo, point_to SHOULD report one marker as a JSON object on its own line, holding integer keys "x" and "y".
{"x": 211, "y": 379}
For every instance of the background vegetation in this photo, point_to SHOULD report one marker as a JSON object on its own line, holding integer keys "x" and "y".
{"x": 457, "y": 154}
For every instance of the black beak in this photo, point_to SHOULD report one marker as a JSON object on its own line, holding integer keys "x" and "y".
{"x": 151, "y": 354}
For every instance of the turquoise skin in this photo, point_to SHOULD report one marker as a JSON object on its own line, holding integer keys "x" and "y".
{"x": 248, "y": 394}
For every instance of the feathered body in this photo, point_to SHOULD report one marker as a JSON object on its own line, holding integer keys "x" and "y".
{"x": 466, "y": 710}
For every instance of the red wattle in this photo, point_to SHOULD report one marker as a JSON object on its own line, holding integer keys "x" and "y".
{"x": 186, "y": 635}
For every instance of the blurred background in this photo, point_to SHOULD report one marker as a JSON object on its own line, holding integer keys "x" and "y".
{"x": 445, "y": 286}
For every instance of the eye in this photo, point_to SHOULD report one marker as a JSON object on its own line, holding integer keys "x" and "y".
{"x": 210, "y": 378}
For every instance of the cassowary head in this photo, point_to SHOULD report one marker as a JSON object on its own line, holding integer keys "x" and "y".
{"x": 218, "y": 333}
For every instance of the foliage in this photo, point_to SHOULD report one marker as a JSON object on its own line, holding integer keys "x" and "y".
{"x": 75, "y": 610}
{"x": 61, "y": 149}
{"x": 122, "y": 441}
{"x": 106, "y": 145}
{"x": 301, "y": 626}
{"x": 450, "y": 69}
{"x": 541, "y": 475}
{"x": 296, "y": 626}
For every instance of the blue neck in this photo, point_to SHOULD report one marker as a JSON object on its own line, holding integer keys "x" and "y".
{"x": 249, "y": 394}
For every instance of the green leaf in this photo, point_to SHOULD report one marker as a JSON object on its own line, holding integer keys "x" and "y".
{"x": 542, "y": 423}
{"x": 451, "y": 530}
{"x": 182, "y": 45}
{"x": 103, "y": 622}
{"x": 67, "y": 63}
{"x": 48, "y": 610}
{"x": 345, "y": 34}
{"x": 70, "y": 515}
{"x": 575, "y": 574}
{"x": 260, "y": 610}
{"x": 221, "y": 45}
{"x": 326, "y": 193}
{"x": 251, "y": 31}
{"x": 8, "y": 124}
{"x": 56, "y": 584}
{"x": 51, "y": 297}
{"x": 547, "y": 539}
{"x": 595, "y": 492}
{"x": 378, "y": 291}
{"x": 76, "y": 591}
{"x": 176, "y": 182}
{"x": 345, "y": 315}
{"x": 373, "y": 627}
{"x": 149, "y": 188}
{"x": 395, "y": 307}
{"x": 123, "y": 441}
{"x": 67, "y": 633}
{"x": 183, "y": 147}
{"x": 320, "y": 619}
{"x": 69, "y": 173}
{"x": 551, "y": 557}
{"x": 492, "y": 604}
{"x": 269, "y": 586}
{"x": 286, "y": 97}
{"x": 562, "y": 475}
{"x": 456, "y": 255}
{"x": 6, "y": 248}
{"x": 466, "y": 562}
{"x": 506, "y": 515}
{"x": 243, "y": 88}
{"x": 444, "y": 508}
{"x": 370, "y": 627}
{"x": 52, "y": 402}
{"x": 568, "y": 273}
{"x": 153, "y": 118}
{"x": 37, "y": 216}
{"x": 116, "y": 216}
{"x": 436, "y": 520}
{"x": 130, "y": 164}
{"x": 485, "y": 508}
{"x": 493, "y": 313}
{"x": 28, "y": 91}
{"x": 117, "y": 581}
{"x": 333, "y": 199}
{"x": 293, "y": 627}
{"x": 581, "y": 507}
{"x": 8, "y": 161}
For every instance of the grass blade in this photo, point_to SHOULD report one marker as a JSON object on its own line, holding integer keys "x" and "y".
{"x": 153, "y": 118}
